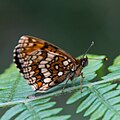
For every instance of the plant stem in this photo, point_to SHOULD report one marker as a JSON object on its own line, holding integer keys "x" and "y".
{"x": 56, "y": 93}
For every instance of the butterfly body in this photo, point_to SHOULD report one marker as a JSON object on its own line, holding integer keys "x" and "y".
{"x": 45, "y": 65}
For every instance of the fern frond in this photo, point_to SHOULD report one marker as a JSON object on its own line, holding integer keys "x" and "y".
{"x": 12, "y": 86}
{"x": 14, "y": 92}
{"x": 34, "y": 110}
{"x": 101, "y": 100}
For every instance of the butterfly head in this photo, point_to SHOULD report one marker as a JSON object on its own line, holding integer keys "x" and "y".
{"x": 84, "y": 61}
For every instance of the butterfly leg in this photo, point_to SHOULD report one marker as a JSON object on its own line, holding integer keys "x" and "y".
{"x": 81, "y": 81}
{"x": 65, "y": 84}
{"x": 69, "y": 77}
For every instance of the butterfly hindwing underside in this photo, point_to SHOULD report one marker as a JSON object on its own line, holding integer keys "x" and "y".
{"x": 43, "y": 64}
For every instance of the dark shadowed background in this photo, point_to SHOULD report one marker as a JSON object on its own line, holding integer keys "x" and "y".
{"x": 70, "y": 24}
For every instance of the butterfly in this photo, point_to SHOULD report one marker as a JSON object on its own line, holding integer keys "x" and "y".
{"x": 44, "y": 65}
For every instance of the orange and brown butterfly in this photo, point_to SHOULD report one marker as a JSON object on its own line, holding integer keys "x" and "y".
{"x": 45, "y": 65}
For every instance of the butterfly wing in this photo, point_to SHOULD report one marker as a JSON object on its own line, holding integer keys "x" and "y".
{"x": 43, "y": 64}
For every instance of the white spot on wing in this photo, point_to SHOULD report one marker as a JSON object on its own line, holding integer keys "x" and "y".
{"x": 24, "y": 37}
{"x": 48, "y": 59}
{"x": 34, "y": 57}
{"x": 72, "y": 69}
{"x": 39, "y": 58}
{"x": 20, "y": 50}
{"x": 21, "y": 41}
{"x": 33, "y": 40}
{"x": 43, "y": 62}
{"x": 29, "y": 68}
{"x": 41, "y": 66}
{"x": 47, "y": 74}
{"x": 19, "y": 55}
{"x": 32, "y": 80}
{"x": 32, "y": 73}
{"x": 69, "y": 60}
{"x": 52, "y": 83}
{"x": 65, "y": 63}
{"x": 47, "y": 80}
{"x": 47, "y": 65}
{"x": 50, "y": 55}
{"x": 60, "y": 73}
{"x": 56, "y": 66}
{"x": 14, "y": 55}
{"x": 21, "y": 60}
{"x": 31, "y": 44}
{"x": 43, "y": 70}
{"x": 34, "y": 87}
{"x": 25, "y": 44}
{"x": 45, "y": 87}
{"x": 39, "y": 52}
{"x": 30, "y": 62}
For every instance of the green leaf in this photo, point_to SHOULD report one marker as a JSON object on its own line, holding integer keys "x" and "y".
{"x": 13, "y": 85}
{"x": 98, "y": 113}
{"x": 99, "y": 98}
{"x": 49, "y": 113}
{"x": 35, "y": 109}
{"x": 86, "y": 103}
{"x": 93, "y": 107}
{"x": 116, "y": 61}
{"x": 13, "y": 111}
{"x": 77, "y": 95}
{"x": 65, "y": 117}
{"x": 116, "y": 65}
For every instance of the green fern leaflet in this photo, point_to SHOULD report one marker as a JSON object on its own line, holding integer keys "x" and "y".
{"x": 100, "y": 97}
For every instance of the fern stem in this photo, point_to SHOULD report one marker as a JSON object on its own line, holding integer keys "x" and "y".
{"x": 104, "y": 101}
{"x": 56, "y": 93}
{"x": 11, "y": 94}
{"x": 32, "y": 111}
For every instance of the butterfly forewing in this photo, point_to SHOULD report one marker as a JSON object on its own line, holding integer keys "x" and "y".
{"x": 43, "y": 64}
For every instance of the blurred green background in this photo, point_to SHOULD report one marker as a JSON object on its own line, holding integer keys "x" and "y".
{"x": 70, "y": 24}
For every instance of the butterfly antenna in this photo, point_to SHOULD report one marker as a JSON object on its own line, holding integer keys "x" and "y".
{"x": 92, "y": 43}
